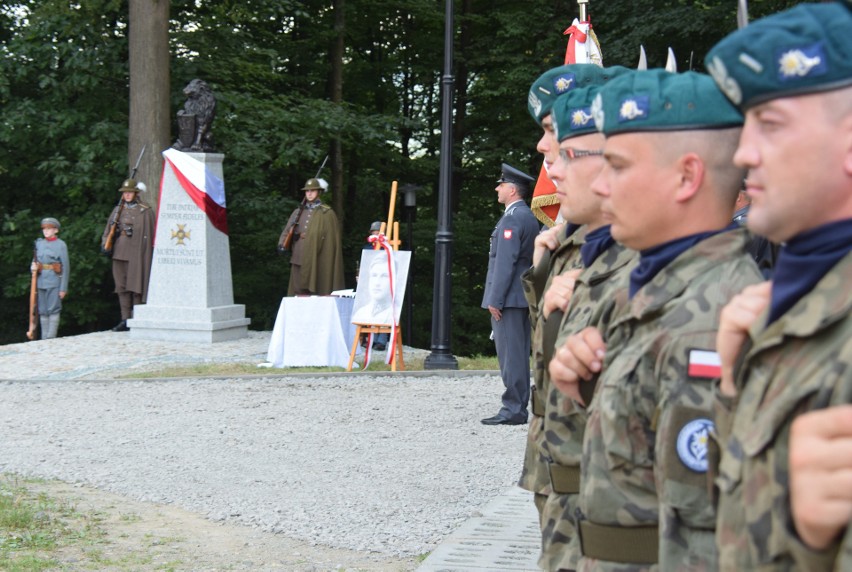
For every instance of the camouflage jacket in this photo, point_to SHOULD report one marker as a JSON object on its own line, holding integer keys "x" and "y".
{"x": 645, "y": 447}
{"x": 534, "y": 476}
{"x": 844, "y": 559}
{"x": 592, "y": 304}
{"x": 802, "y": 361}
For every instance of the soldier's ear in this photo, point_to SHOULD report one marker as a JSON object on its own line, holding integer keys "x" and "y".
{"x": 691, "y": 169}
{"x": 846, "y": 134}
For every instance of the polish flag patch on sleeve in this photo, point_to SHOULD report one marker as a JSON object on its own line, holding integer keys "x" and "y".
{"x": 507, "y": 234}
{"x": 704, "y": 364}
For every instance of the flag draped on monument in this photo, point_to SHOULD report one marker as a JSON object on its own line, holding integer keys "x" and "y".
{"x": 205, "y": 189}
{"x": 583, "y": 48}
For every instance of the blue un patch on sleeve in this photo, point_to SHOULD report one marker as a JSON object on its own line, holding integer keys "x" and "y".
{"x": 692, "y": 444}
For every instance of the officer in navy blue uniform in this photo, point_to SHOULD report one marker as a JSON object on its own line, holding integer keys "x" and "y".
{"x": 509, "y": 257}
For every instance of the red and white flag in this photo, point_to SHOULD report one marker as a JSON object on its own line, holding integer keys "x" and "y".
{"x": 205, "y": 189}
{"x": 704, "y": 363}
{"x": 583, "y": 48}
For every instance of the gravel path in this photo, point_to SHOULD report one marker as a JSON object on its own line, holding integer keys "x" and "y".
{"x": 386, "y": 464}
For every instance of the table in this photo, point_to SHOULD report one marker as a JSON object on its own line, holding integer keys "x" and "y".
{"x": 312, "y": 331}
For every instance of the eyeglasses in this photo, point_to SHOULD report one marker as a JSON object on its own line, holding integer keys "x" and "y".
{"x": 569, "y": 154}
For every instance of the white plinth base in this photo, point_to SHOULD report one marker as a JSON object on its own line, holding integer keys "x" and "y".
{"x": 181, "y": 324}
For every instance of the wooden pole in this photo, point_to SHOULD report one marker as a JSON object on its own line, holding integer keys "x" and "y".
{"x": 33, "y": 312}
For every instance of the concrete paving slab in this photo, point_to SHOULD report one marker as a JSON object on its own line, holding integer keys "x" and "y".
{"x": 505, "y": 537}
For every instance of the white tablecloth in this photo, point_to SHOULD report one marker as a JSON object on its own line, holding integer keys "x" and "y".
{"x": 312, "y": 331}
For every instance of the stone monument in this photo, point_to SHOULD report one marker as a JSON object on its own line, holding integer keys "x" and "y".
{"x": 190, "y": 294}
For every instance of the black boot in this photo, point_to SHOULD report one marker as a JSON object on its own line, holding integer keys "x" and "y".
{"x": 121, "y": 327}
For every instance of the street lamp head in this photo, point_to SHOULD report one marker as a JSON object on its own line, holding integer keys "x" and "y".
{"x": 409, "y": 192}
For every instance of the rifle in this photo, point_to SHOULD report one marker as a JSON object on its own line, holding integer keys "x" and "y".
{"x": 33, "y": 294}
{"x": 110, "y": 239}
{"x": 288, "y": 240}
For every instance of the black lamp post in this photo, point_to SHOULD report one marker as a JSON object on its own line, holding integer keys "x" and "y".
{"x": 409, "y": 200}
{"x": 441, "y": 356}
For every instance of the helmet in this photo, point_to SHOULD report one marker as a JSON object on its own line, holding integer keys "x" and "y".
{"x": 131, "y": 186}
{"x": 316, "y": 185}
{"x": 376, "y": 226}
{"x": 50, "y": 221}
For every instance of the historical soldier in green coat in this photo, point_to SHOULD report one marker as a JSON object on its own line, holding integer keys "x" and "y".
{"x": 669, "y": 187}
{"x": 51, "y": 263}
{"x": 786, "y": 346}
{"x": 129, "y": 238}
{"x": 312, "y": 235}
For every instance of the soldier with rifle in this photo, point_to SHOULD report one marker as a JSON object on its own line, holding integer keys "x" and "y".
{"x": 129, "y": 239}
{"x": 312, "y": 236}
{"x": 50, "y": 268}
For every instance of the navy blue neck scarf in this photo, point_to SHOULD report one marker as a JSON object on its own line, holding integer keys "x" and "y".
{"x": 571, "y": 228}
{"x": 804, "y": 260}
{"x": 597, "y": 242}
{"x": 652, "y": 260}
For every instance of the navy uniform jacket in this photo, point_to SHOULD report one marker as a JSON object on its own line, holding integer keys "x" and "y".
{"x": 510, "y": 256}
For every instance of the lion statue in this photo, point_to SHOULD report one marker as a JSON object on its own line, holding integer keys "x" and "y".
{"x": 196, "y": 118}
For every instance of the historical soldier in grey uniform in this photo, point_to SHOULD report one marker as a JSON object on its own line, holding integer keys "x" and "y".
{"x": 51, "y": 263}
{"x": 131, "y": 229}
{"x": 785, "y": 346}
{"x": 509, "y": 257}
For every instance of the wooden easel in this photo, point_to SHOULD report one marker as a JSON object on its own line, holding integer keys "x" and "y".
{"x": 373, "y": 329}
{"x": 394, "y": 241}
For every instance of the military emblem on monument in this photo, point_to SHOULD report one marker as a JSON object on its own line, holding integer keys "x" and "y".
{"x": 181, "y": 234}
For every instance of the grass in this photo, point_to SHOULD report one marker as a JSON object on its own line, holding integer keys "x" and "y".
{"x": 33, "y": 526}
{"x": 412, "y": 363}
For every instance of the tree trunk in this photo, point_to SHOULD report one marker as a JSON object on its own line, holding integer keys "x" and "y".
{"x": 337, "y": 99}
{"x": 150, "y": 117}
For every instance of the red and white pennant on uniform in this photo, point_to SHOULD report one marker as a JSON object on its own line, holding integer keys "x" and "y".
{"x": 205, "y": 189}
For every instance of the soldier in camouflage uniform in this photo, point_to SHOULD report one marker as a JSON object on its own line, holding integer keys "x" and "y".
{"x": 606, "y": 265}
{"x": 668, "y": 189}
{"x": 602, "y": 259}
{"x": 786, "y": 346}
{"x": 557, "y": 251}
{"x": 820, "y": 487}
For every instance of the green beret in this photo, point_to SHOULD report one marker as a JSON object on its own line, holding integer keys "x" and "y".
{"x": 658, "y": 100}
{"x": 557, "y": 81}
{"x": 572, "y": 113}
{"x": 806, "y": 49}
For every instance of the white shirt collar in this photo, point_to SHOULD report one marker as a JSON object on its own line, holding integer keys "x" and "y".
{"x": 513, "y": 203}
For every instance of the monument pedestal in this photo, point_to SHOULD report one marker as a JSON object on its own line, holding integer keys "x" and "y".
{"x": 190, "y": 293}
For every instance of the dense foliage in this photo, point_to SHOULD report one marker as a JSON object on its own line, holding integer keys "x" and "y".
{"x": 64, "y": 116}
